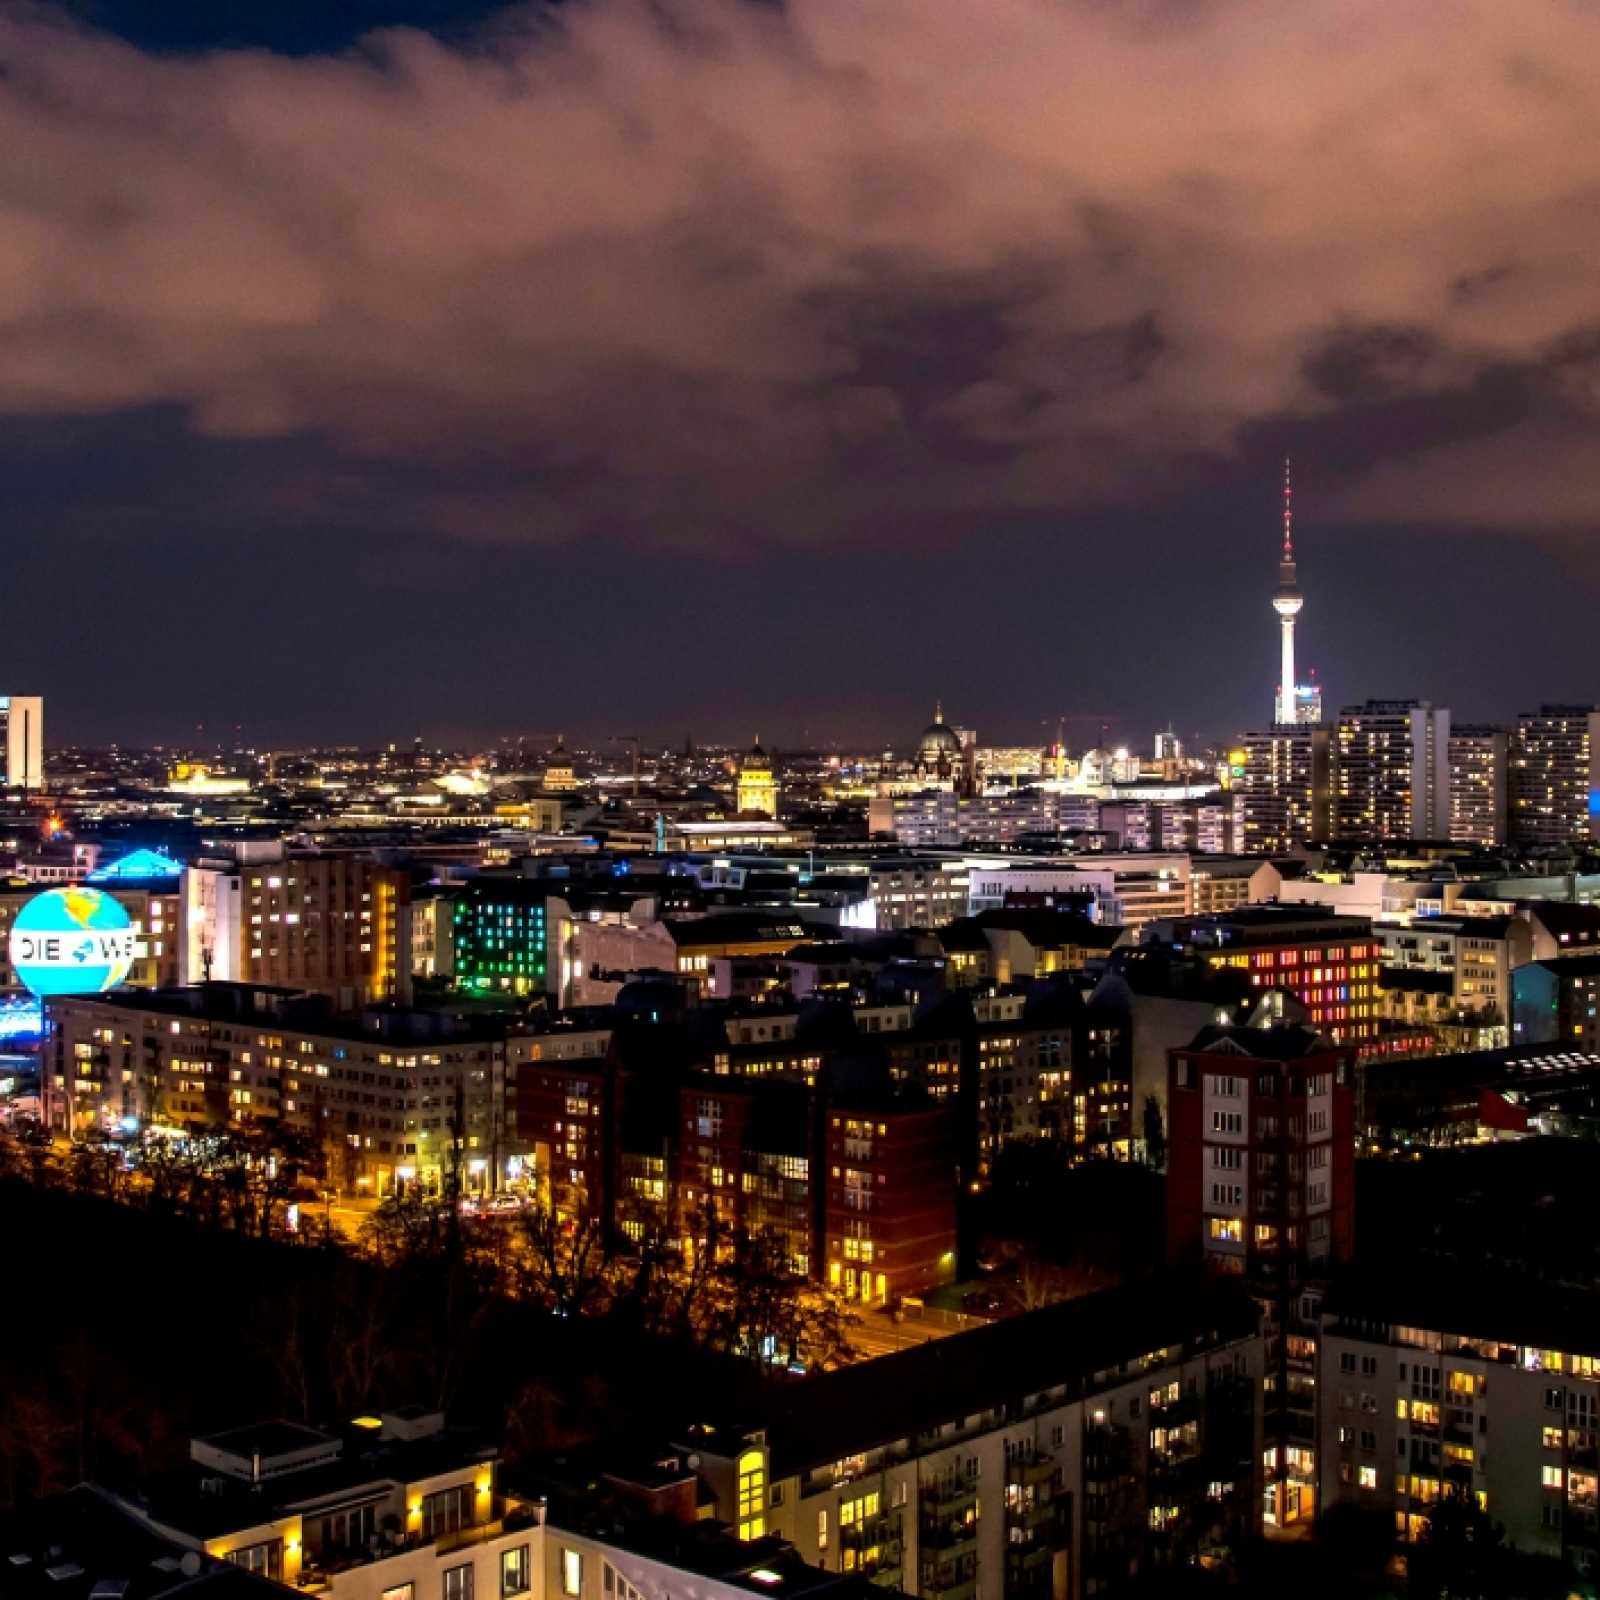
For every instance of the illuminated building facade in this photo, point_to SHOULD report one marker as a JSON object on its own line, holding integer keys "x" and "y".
{"x": 1555, "y": 776}
{"x": 889, "y": 1221}
{"x": 1433, "y": 1389}
{"x": 1283, "y": 788}
{"x": 559, "y": 777}
{"x": 335, "y": 924}
{"x": 1056, "y": 1455}
{"x": 1261, "y": 1183}
{"x": 1478, "y": 783}
{"x": 758, "y": 783}
{"x": 1392, "y": 771}
{"x": 388, "y": 1105}
{"x": 22, "y": 739}
{"x": 1327, "y": 962}
{"x": 498, "y": 937}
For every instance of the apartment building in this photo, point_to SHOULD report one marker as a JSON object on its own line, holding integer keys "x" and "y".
{"x": 1328, "y": 963}
{"x": 1479, "y": 769}
{"x": 1391, "y": 771}
{"x": 1557, "y": 1002}
{"x": 1284, "y": 794}
{"x": 1555, "y": 775}
{"x": 1467, "y": 1387}
{"x": 1059, "y": 1453}
{"x": 385, "y": 1506}
{"x": 1261, "y": 1185}
{"x": 392, "y": 1096}
{"x": 889, "y": 1225}
{"x": 328, "y": 924}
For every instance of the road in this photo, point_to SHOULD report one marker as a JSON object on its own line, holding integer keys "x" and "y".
{"x": 878, "y": 1334}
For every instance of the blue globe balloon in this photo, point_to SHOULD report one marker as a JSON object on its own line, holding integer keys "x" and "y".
{"x": 72, "y": 941}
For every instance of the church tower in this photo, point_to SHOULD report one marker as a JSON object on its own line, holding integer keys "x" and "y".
{"x": 758, "y": 783}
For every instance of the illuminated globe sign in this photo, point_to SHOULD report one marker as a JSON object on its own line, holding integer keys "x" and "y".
{"x": 72, "y": 941}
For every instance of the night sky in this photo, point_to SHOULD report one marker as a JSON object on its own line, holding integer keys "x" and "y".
{"x": 710, "y": 366}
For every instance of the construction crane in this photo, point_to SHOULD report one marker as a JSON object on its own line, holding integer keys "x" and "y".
{"x": 633, "y": 739}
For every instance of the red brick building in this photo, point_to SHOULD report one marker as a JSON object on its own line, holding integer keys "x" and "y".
{"x": 1261, "y": 1183}
{"x": 889, "y": 1225}
{"x": 1261, "y": 1153}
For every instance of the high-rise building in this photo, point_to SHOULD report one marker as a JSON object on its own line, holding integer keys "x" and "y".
{"x": 1261, "y": 1183}
{"x": 1555, "y": 775}
{"x": 22, "y": 718}
{"x": 1283, "y": 793}
{"x": 758, "y": 783}
{"x": 1287, "y": 602}
{"x": 1477, "y": 783}
{"x": 1392, "y": 771}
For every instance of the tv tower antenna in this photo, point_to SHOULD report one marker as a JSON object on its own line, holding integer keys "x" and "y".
{"x": 1288, "y": 513}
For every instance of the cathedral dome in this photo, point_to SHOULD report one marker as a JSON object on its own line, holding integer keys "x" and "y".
{"x": 939, "y": 739}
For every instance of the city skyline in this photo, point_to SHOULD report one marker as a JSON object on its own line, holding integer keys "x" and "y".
{"x": 343, "y": 394}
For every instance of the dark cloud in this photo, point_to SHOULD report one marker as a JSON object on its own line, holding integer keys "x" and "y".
{"x": 709, "y": 281}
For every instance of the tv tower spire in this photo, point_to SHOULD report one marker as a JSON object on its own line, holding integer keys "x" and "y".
{"x": 1287, "y": 602}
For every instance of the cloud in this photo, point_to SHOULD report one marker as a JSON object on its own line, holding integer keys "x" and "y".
{"x": 724, "y": 275}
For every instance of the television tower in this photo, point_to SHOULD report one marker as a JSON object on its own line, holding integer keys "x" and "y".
{"x": 1287, "y": 603}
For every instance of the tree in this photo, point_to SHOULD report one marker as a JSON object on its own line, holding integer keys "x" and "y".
{"x": 562, "y": 1263}
{"x": 1155, "y": 1136}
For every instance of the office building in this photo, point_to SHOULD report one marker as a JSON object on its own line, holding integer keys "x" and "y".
{"x": 22, "y": 739}
{"x": 1392, "y": 771}
{"x": 1555, "y": 776}
{"x": 1283, "y": 795}
{"x": 498, "y": 938}
{"x": 1479, "y": 775}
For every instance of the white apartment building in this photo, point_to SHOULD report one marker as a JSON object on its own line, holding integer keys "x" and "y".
{"x": 1490, "y": 1398}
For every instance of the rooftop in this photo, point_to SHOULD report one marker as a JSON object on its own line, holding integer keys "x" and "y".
{"x": 82, "y": 1545}
{"x": 1076, "y": 1344}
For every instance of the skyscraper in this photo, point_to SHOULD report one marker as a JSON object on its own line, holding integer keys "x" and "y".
{"x": 22, "y": 716}
{"x": 1555, "y": 775}
{"x": 1287, "y": 603}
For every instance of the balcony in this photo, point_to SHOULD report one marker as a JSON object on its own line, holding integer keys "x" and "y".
{"x": 949, "y": 1494}
{"x": 321, "y": 1567}
{"x": 1029, "y": 1557}
{"x": 881, "y": 1532}
{"x": 1030, "y": 1469}
{"x": 953, "y": 1589}
{"x": 950, "y": 1540}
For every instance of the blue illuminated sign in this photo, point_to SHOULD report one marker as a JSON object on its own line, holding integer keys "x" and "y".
{"x": 21, "y": 1017}
{"x": 141, "y": 864}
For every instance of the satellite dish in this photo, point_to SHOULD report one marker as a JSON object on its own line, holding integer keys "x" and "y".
{"x": 190, "y": 1565}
